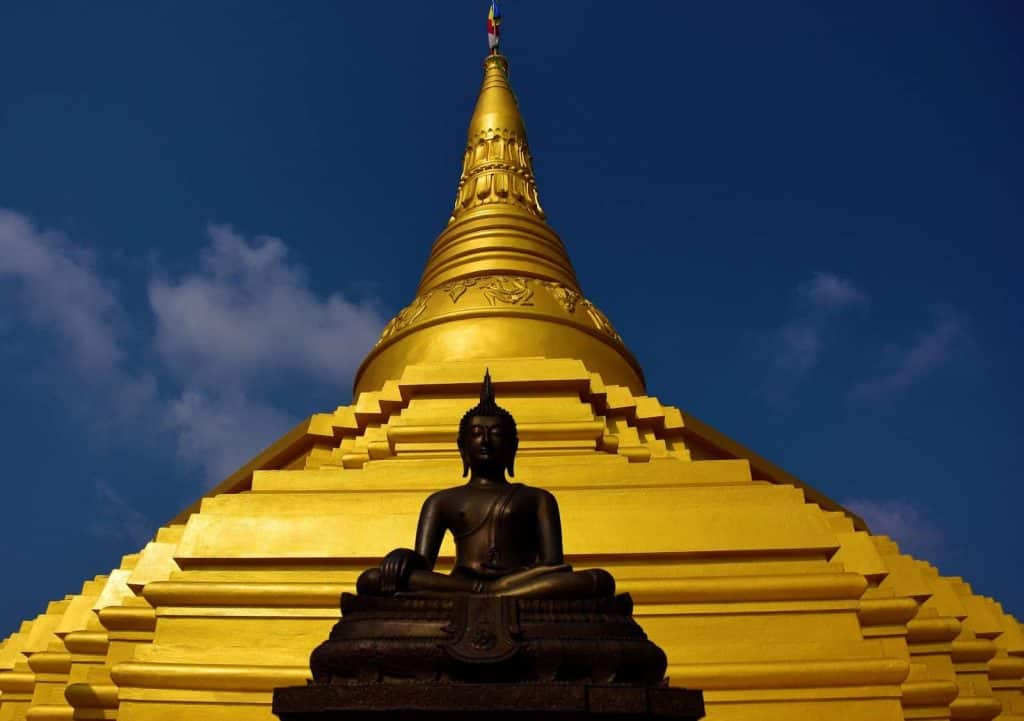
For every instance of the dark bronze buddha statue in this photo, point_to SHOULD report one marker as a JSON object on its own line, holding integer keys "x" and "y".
{"x": 512, "y": 630}
{"x": 508, "y": 536}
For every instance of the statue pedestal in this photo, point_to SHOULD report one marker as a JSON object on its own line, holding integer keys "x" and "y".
{"x": 500, "y": 702}
{"x": 487, "y": 640}
{"x": 465, "y": 657}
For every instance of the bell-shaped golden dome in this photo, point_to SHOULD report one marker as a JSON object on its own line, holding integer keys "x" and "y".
{"x": 498, "y": 283}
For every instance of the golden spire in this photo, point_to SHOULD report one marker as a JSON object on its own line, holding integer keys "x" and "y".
{"x": 498, "y": 282}
{"x": 497, "y": 224}
{"x": 496, "y": 166}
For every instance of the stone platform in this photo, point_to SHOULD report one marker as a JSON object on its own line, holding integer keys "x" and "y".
{"x": 415, "y": 658}
{"x": 500, "y": 702}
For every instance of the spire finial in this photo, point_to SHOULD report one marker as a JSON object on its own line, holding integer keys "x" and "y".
{"x": 494, "y": 27}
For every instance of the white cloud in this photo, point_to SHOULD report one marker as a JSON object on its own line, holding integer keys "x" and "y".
{"x": 61, "y": 291}
{"x": 797, "y": 345}
{"x": 247, "y": 311}
{"x": 224, "y": 333}
{"x": 116, "y": 519}
{"x": 830, "y": 292}
{"x": 901, "y": 520}
{"x": 931, "y": 349}
{"x": 221, "y": 432}
{"x": 244, "y": 317}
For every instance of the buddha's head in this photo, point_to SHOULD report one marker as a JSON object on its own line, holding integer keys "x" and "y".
{"x": 487, "y": 436}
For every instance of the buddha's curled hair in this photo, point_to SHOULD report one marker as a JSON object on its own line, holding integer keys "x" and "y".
{"x": 488, "y": 407}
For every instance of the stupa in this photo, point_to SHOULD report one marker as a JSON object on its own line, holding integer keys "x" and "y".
{"x": 771, "y": 598}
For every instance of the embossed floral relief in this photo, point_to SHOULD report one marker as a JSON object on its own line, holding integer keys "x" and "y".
{"x": 507, "y": 289}
{"x": 502, "y": 290}
{"x": 405, "y": 316}
{"x": 456, "y": 288}
{"x": 567, "y": 297}
{"x": 599, "y": 319}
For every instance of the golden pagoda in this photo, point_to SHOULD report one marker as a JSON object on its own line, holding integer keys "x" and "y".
{"x": 768, "y": 596}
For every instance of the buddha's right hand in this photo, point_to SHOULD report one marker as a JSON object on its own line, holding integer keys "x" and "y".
{"x": 396, "y": 567}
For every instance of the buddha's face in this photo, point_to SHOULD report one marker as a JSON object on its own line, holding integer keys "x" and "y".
{"x": 487, "y": 446}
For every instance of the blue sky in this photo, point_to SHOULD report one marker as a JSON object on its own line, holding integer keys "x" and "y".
{"x": 806, "y": 223}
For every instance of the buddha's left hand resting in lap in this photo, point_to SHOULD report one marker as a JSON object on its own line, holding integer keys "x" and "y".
{"x": 508, "y": 536}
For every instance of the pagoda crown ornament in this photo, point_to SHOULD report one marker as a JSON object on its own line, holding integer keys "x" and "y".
{"x": 496, "y": 167}
{"x": 498, "y": 282}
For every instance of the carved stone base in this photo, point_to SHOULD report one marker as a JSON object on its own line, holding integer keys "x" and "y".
{"x": 462, "y": 657}
{"x": 487, "y": 640}
{"x": 500, "y": 702}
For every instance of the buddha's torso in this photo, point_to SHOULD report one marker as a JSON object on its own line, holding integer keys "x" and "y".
{"x": 495, "y": 528}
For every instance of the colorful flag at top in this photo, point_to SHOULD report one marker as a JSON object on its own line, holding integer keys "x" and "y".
{"x": 493, "y": 25}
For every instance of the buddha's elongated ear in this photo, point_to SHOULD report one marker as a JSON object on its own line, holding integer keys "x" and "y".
{"x": 511, "y": 460}
{"x": 465, "y": 462}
